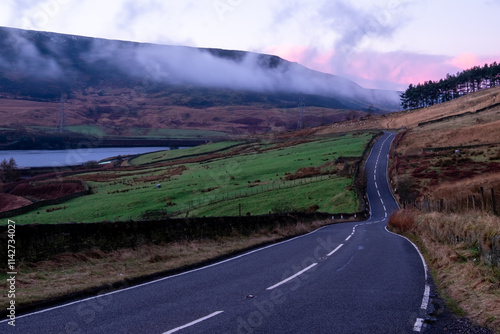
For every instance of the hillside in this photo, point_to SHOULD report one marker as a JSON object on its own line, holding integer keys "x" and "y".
{"x": 116, "y": 87}
{"x": 478, "y": 103}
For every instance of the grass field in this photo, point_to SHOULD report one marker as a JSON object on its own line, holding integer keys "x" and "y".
{"x": 189, "y": 182}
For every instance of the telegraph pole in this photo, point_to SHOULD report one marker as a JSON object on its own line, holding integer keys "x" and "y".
{"x": 62, "y": 116}
{"x": 302, "y": 108}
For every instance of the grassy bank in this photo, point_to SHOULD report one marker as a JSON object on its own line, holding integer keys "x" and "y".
{"x": 456, "y": 248}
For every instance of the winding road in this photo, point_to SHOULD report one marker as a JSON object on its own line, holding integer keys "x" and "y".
{"x": 343, "y": 278}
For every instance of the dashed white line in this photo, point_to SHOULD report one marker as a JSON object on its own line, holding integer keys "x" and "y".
{"x": 194, "y": 322}
{"x": 418, "y": 325}
{"x": 425, "y": 299}
{"x": 335, "y": 250}
{"x": 292, "y": 277}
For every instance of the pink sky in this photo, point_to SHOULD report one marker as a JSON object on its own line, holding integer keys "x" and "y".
{"x": 393, "y": 43}
{"x": 370, "y": 69}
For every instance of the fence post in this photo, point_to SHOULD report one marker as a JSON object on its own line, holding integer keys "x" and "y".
{"x": 482, "y": 198}
{"x": 493, "y": 203}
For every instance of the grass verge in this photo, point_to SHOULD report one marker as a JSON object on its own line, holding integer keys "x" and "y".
{"x": 451, "y": 245}
{"x": 76, "y": 275}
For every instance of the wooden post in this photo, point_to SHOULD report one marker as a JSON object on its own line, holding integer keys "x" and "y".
{"x": 474, "y": 202}
{"x": 493, "y": 203}
{"x": 441, "y": 205}
{"x": 239, "y": 209}
{"x": 482, "y": 198}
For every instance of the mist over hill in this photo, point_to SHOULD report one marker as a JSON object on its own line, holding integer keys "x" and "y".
{"x": 42, "y": 66}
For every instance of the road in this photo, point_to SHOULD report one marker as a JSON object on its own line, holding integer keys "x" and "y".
{"x": 343, "y": 278}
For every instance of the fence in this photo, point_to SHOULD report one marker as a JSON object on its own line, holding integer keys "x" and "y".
{"x": 486, "y": 201}
{"x": 251, "y": 191}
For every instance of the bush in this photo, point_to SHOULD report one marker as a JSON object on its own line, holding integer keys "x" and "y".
{"x": 402, "y": 221}
{"x": 91, "y": 164}
{"x": 406, "y": 190}
{"x": 284, "y": 207}
{"x": 9, "y": 170}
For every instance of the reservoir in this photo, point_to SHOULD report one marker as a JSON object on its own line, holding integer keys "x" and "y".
{"x": 60, "y": 158}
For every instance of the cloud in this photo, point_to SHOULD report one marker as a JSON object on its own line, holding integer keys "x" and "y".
{"x": 371, "y": 69}
{"x": 25, "y": 58}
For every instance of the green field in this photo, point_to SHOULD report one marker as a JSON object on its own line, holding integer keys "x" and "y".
{"x": 214, "y": 179}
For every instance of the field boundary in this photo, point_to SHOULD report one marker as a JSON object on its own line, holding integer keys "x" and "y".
{"x": 39, "y": 204}
{"x": 39, "y": 242}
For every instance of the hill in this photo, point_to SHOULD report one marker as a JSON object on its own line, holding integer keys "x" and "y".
{"x": 125, "y": 88}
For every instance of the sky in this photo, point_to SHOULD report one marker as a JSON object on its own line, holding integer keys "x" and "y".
{"x": 384, "y": 44}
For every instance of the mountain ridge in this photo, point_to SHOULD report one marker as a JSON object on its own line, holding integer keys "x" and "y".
{"x": 122, "y": 88}
{"x": 77, "y": 61}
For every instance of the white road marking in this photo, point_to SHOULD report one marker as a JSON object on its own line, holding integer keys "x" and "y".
{"x": 335, "y": 250}
{"x": 166, "y": 278}
{"x": 292, "y": 277}
{"x": 425, "y": 300}
{"x": 378, "y": 192}
{"x": 194, "y": 322}
{"x": 418, "y": 325}
{"x": 376, "y": 185}
{"x": 349, "y": 237}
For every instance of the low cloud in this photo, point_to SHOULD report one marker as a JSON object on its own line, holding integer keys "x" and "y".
{"x": 51, "y": 56}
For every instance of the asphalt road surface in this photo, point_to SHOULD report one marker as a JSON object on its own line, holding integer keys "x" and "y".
{"x": 343, "y": 278}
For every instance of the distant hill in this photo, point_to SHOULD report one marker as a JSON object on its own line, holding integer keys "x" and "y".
{"x": 118, "y": 84}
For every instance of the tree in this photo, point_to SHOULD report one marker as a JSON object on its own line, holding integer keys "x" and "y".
{"x": 454, "y": 86}
{"x": 406, "y": 190}
{"x": 9, "y": 170}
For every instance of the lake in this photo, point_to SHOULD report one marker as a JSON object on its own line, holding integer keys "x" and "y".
{"x": 60, "y": 158}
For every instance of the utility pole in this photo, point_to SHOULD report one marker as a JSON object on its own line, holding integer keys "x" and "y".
{"x": 302, "y": 108}
{"x": 62, "y": 116}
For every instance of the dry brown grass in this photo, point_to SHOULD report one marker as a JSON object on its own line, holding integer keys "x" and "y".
{"x": 410, "y": 119}
{"x": 453, "y": 245}
{"x": 11, "y": 202}
{"x": 454, "y": 133}
{"x": 468, "y": 187}
{"x": 72, "y": 272}
{"x": 123, "y": 109}
{"x": 402, "y": 221}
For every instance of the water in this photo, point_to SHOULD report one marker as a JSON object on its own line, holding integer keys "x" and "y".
{"x": 60, "y": 158}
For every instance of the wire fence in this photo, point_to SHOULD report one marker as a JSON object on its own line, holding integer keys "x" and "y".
{"x": 486, "y": 201}
{"x": 252, "y": 190}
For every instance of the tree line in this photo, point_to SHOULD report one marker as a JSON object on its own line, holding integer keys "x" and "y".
{"x": 433, "y": 92}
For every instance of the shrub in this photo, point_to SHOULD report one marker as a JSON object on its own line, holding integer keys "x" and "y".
{"x": 406, "y": 189}
{"x": 402, "y": 221}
